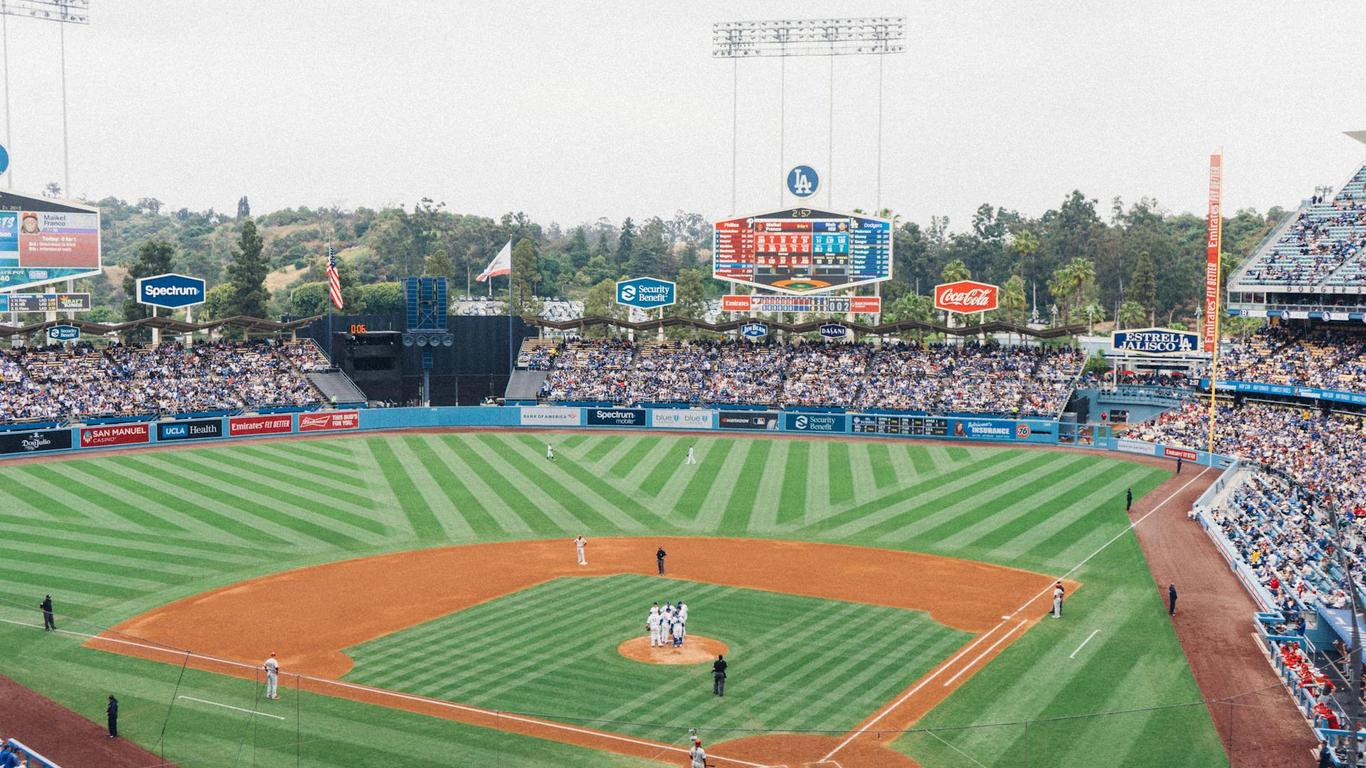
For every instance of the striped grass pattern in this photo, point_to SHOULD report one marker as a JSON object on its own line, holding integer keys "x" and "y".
{"x": 115, "y": 535}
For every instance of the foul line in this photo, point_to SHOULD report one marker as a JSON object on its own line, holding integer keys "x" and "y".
{"x": 1083, "y": 644}
{"x": 925, "y": 681}
{"x": 395, "y": 694}
{"x": 257, "y": 713}
{"x": 984, "y": 654}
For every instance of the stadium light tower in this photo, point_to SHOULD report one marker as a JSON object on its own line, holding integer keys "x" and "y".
{"x": 784, "y": 38}
{"x": 63, "y": 12}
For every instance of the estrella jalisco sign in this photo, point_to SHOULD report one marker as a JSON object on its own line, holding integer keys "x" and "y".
{"x": 171, "y": 291}
{"x": 1155, "y": 341}
{"x": 646, "y": 292}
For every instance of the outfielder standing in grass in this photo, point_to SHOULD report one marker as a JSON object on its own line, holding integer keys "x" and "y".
{"x": 691, "y": 458}
{"x": 550, "y": 451}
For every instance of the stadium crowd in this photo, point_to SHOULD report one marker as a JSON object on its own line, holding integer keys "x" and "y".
{"x": 1327, "y": 359}
{"x": 1280, "y": 520}
{"x": 1325, "y": 236}
{"x": 82, "y": 381}
{"x": 971, "y": 378}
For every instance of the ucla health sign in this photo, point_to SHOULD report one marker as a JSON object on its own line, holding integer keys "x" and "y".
{"x": 171, "y": 291}
{"x": 646, "y": 293}
{"x": 1155, "y": 341}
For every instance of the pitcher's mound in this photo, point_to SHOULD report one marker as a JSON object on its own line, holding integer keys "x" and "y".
{"x": 696, "y": 650}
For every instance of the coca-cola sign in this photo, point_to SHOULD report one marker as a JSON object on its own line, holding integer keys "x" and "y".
{"x": 966, "y": 297}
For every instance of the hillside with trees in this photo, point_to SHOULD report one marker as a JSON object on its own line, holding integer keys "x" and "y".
{"x": 1078, "y": 262}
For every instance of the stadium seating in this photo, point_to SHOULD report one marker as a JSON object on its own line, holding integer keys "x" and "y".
{"x": 1327, "y": 359}
{"x": 1324, "y": 244}
{"x": 83, "y": 382}
{"x": 970, "y": 378}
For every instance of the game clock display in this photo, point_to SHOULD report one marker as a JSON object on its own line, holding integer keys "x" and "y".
{"x": 801, "y": 250}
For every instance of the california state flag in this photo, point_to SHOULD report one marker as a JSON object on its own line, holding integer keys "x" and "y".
{"x": 501, "y": 264}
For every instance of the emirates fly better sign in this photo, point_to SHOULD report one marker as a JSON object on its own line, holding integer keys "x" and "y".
{"x": 966, "y": 297}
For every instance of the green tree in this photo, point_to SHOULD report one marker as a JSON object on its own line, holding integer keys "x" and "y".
{"x": 382, "y": 298}
{"x": 439, "y": 264}
{"x": 626, "y": 245}
{"x": 154, "y": 258}
{"x": 308, "y": 299}
{"x": 247, "y": 273}
{"x": 243, "y": 208}
{"x": 218, "y": 302}
{"x": 601, "y": 301}
{"x": 1143, "y": 286}
{"x": 522, "y": 281}
{"x": 1072, "y": 285}
{"x": 690, "y": 301}
{"x": 1132, "y": 314}
{"x": 1013, "y": 300}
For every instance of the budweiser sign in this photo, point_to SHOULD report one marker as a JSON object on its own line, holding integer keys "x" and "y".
{"x": 328, "y": 420}
{"x": 966, "y": 297}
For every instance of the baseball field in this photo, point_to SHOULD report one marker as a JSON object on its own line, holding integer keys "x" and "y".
{"x": 876, "y": 598}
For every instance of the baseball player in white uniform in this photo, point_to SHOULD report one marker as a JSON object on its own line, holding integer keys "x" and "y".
{"x": 698, "y": 755}
{"x": 683, "y": 612}
{"x": 676, "y": 630}
{"x": 691, "y": 458}
{"x": 655, "y": 623}
{"x": 272, "y": 677}
{"x": 579, "y": 543}
{"x": 550, "y": 451}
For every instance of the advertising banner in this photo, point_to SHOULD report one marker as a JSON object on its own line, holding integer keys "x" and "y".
{"x": 966, "y": 297}
{"x": 171, "y": 291}
{"x": 1214, "y": 226}
{"x": 273, "y": 424}
{"x": 1135, "y": 446}
{"x": 762, "y": 420}
{"x": 882, "y": 424}
{"x": 328, "y": 421}
{"x": 864, "y": 305}
{"x": 816, "y": 422}
{"x": 1155, "y": 341}
{"x": 833, "y": 331}
{"x": 1185, "y": 454}
{"x": 682, "y": 418}
{"x": 38, "y": 441}
{"x": 115, "y": 434}
{"x": 982, "y": 429}
{"x": 44, "y": 302}
{"x": 192, "y": 429}
{"x": 615, "y": 417}
{"x": 645, "y": 292}
{"x": 549, "y": 416}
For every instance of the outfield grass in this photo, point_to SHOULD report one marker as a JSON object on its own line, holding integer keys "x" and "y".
{"x": 799, "y": 663}
{"x": 112, "y": 536}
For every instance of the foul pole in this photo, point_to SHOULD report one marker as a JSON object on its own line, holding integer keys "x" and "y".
{"x": 1213, "y": 262}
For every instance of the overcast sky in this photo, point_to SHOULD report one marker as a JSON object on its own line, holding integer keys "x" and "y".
{"x": 574, "y": 110}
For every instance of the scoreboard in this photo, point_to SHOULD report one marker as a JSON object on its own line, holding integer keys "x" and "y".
{"x": 899, "y": 425}
{"x": 801, "y": 250}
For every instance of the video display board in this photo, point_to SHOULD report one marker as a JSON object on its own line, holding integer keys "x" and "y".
{"x": 801, "y": 250}
{"x": 879, "y": 424}
{"x": 44, "y": 240}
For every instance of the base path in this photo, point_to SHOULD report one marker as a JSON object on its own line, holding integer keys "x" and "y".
{"x": 310, "y": 616}
{"x": 63, "y": 736}
{"x": 1256, "y": 719}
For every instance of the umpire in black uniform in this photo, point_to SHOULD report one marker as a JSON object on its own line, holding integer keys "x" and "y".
{"x": 718, "y": 675}
{"x": 46, "y": 607}
{"x": 111, "y": 713}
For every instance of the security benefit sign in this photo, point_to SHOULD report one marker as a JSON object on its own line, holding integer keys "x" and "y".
{"x": 816, "y": 422}
{"x": 646, "y": 293}
{"x": 1155, "y": 341}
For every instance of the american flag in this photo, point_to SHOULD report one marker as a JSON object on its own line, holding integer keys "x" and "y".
{"x": 333, "y": 279}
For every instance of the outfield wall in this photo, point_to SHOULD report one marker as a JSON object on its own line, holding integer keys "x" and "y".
{"x": 18, "y": 443}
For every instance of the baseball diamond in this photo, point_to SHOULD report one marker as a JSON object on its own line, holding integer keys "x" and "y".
{"x": 798, "y": 554}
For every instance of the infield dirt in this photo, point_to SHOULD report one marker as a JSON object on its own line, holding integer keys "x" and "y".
{"x": 309, "y": 616}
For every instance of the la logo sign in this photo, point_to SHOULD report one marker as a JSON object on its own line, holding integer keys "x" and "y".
{"x": 171, "y": 291}
{"x": 966, "y": 297}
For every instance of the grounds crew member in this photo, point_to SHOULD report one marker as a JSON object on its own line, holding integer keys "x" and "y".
{"x": 111, "y": 715}
{"x": 46, "y": 606}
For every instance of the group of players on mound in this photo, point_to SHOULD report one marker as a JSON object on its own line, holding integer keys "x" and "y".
{"x": 667, "y": 625}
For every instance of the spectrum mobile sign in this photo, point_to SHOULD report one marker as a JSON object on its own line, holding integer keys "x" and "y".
{"x": 1155, "y": 341}
{"x": 171, "y": 291}
{"x": 966, "y": 297}
{"x": 646, "y": 293}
